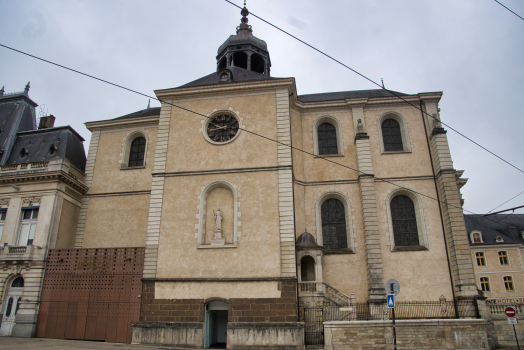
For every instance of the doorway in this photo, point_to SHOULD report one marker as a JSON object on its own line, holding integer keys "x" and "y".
{"x": 11, "y": 306}
{"x": 215, "y": 336}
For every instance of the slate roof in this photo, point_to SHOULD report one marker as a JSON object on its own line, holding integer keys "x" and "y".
{"x": 341, "y": 95}
{"x": 509, "y": 227}
{"x": 37, "y": 143}
{"x": 239, "y": 75}
{"x": 306, "y": 240}
{"x": 240, "y": 39}
{"x": 143, "y": 113}
{"x": 16, "y": 114}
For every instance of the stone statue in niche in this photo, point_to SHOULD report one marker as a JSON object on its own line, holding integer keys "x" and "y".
{"x": 360, "y": 126}
{"x": 436, "y": 121}
{"x": 218, "y": 239}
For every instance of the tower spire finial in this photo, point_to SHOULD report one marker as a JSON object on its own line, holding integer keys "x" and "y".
{"x": 26, "y": 90}
{"x": 244, "y": 28}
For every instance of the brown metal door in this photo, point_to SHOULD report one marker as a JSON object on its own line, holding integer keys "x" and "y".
{"x": 91, "y": 294}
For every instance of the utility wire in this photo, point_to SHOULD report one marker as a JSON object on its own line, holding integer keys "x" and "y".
{"x": 380, "y": 86}
{"x": 507, "y": 8}
{"x": 505, "y": 202}
{"x": 250, "y": 132}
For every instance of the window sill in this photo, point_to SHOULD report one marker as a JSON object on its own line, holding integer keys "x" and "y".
{"x": 409, "y": 248}
{"x": 125, "y": 167}
{"x": 209, "y": 246}
{"x": 395, "y": 152}
{"x": 338, "y": 251}
{"x": 328, "y": 155}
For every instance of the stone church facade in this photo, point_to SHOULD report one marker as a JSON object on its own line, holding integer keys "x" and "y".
{"x": 253, "y": 202}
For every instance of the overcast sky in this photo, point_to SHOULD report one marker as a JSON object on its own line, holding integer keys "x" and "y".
{"x": 472, "y": 50}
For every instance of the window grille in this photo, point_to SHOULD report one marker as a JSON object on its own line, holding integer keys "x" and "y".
{"x": 392, "y": 136}
{"x": 404, "y": 221}
{"x": 136, "y": 154}
{"x": 327, "y": 139}
{"x": 333, "y": 224}
{"x": 508, "y": 284}
{"x": 503, "y": 258}
{"x": 481, "y": 260}
{"x": 484, "y": 284}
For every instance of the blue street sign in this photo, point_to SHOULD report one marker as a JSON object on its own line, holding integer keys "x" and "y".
{"x": 391, "y": 301}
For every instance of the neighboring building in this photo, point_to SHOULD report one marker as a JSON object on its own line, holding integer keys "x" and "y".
{"x": 41, "y": 187}
{"x": 496, "y": 243}
{"x": 219, "y": 209}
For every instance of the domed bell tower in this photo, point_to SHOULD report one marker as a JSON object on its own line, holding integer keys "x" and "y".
{"x": 244, "y": 50}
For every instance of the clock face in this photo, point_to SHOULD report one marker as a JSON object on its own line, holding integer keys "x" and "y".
{"x": 222, "y": 128}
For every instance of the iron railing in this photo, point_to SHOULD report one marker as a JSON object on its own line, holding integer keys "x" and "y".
{"x": 403, "y": 310}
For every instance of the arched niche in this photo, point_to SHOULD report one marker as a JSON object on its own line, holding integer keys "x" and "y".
{"x": 307, "y": 269}
{"x": 218, "y": 195}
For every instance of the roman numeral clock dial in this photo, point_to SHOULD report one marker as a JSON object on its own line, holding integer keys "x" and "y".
{"x": 222, "y": 128}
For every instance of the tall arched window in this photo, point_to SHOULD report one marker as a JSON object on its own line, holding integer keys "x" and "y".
{"x": 333, "y": 224}
{"x": 404, "y": 221}
{"x": 327, "y": 139}
{"x": 392, "y": 135}
{"x": 137, "y": 151}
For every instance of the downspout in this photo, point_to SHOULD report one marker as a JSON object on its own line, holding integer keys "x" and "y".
{"x": 440, "y": 210}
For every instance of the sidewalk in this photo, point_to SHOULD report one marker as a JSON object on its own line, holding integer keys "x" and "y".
{"x": 8, "y": 343}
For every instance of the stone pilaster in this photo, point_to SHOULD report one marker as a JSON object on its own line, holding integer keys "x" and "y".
{"x": 377, "y": 291}
{"x": 456, "y": 236}
{"x": 90, "y": 168}
{"x": 285, "y": 187}
{"x": 157, "y": 193}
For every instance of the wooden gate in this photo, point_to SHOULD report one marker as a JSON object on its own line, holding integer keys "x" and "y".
{"x": 91, "y": 294}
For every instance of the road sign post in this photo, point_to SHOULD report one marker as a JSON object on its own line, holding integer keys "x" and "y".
{"x": 511, "y": 312}
{"x": 392, "y": 289}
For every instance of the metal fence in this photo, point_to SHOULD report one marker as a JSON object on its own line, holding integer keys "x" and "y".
{"x": 403, "y": 310}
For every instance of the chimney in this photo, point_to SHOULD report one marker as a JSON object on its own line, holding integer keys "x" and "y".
{"x": 46, "y": 122}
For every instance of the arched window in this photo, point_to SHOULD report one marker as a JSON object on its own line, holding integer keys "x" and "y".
{"x": 307, "y": 269}
{"x": 404, "y": 221}
{"x": 137, "y": 151}
{"x": 327, "y": 139}
{"x": 333, "y": 224}
{"x": 476, "y": 238}
{"x": 18, "y": 282}
{"x": 257, "y": 63}
{"x": 240, "y": 59}
{"x": 223, "y": 63}
{"x": 392, "y": 135}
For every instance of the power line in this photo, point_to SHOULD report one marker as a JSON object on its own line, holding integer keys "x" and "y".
{"x": 380, "y": 86}
{"x": 250, "y": 132}
{"x": 504, "y": 202}
{"x": 507, "y": 8}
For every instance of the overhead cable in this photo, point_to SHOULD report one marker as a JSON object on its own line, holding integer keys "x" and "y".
{"x": 382, "y": 87}
{"x": 248, "y": 131}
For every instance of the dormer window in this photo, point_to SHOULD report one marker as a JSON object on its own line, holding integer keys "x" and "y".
{"x": 23, "y": 153}
{"x": 52, "y": 149}
{"x": 476, "y": 237}
{"x": 499, "y": 239}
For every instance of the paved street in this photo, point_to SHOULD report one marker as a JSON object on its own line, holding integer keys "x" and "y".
{"x": 8, "y": 343}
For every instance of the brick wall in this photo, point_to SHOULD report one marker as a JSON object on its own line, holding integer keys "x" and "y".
{"x": 283, "y": 309}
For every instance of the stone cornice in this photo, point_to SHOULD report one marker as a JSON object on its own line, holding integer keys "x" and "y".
{"x": 28, "y": 177}
{"x": 364, "y": 102}
{"x": 124, "y": 122}
{"x": 222, "y": 89}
